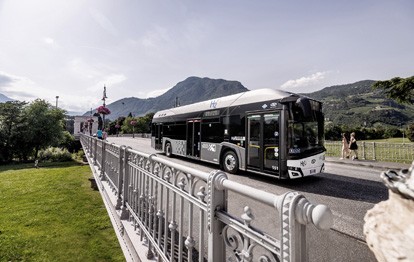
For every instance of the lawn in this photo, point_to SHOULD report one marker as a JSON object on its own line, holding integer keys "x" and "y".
{"x": 52, "y": 214}
{"x": 391, "y": 140}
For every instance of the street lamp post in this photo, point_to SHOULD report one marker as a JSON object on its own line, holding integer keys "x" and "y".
{"x": 57, "y": 97}
{"x": 104, "y": 99}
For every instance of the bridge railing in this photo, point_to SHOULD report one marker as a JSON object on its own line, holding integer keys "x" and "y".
{"x": 377, "y": 151}
{"x": 181, "y": 214}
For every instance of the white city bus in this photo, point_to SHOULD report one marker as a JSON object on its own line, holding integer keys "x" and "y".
{"x": 264, "y": 131}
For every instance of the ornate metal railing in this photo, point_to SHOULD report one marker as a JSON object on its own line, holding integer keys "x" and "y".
{"x": 181, "y": 214}
{"x": 377, "y": 151}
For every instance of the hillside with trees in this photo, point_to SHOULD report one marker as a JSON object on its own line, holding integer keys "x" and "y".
{"x": 359, "y": 104}
{"x": 367, "y": 110}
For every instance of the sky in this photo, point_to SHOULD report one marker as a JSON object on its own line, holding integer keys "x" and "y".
{"x": 142, "y": 48}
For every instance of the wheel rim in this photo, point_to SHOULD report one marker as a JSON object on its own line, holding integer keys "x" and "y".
{"x": 230, "y": 162}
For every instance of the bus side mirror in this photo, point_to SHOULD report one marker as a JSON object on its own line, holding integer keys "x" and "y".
{"x": 305, "y": 105}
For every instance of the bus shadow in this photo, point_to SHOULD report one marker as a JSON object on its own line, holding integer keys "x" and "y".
{"x": 332, "y": 185}
{"x": 327, "y": 184}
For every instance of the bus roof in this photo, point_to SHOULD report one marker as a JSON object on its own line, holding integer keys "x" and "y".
{"x": 248, "y": 97}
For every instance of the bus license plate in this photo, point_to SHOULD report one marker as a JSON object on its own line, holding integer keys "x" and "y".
{"x": 313, "y": 171}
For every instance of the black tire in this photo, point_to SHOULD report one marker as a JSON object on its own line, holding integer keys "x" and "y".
{"x": 230, "y": 162}
{"x": 168, "y": 149}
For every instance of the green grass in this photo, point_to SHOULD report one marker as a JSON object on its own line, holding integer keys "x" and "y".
{"x": 52, "y": 214}
{"x": 391, "y": 140}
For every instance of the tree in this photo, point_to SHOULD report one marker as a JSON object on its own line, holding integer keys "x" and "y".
{"x": 410, "y": 132}
{"x": 44, "y": 125}
{"x": 392, "y": 132}
{"x": 126, "y": 127}
{"x": 10, "y": 120}
{"x": 68, "y": 142}
{"x": 144, "y": 123}
{"x": 399, "y": 89}
{"x": 333, "y": 132}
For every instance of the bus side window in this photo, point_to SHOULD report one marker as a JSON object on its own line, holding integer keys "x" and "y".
{"x": 212, "y": 132}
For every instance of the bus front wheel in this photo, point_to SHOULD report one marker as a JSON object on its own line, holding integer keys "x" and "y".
{"x": 230, "y": 162}
{"x": 168, "y": 149}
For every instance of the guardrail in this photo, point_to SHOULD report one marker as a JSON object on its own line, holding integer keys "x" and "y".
{"x": 377, "y": 151}
{"x": 143, "y": 135}
{"x": 181, "y": 214}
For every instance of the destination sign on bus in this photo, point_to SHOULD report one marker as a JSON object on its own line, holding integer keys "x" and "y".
{"x": 211, "y": 113}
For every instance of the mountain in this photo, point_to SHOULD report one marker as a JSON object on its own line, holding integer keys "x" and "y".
{"x": 4, "y": 98}
{"x": 191, "y": 90}
{"x": 357, "y": 103}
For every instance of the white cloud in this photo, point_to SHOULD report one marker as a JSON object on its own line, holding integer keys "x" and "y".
{"x": 305, "y": 81}
{"x": 6, "y": 79}
{"x": 20, "y": 87}
{"x": 49, "y": 41}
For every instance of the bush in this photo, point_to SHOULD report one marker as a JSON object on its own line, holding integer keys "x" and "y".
{"x": 55, "y": 154}
{"x": 78, "y": 155}
{"x": 68, "y": 141}
{"x": 410, "y": 132}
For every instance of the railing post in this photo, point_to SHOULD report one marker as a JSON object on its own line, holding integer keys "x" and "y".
{"x": 102, "y": 175}
{"x": 296, "y": 211}
{"x": 216, "y": 200}
{"x": 120, "y": 177}
{"x": 363, "y": 150}
{"x": 125, "y": 185}
{"x": 90, "y": 146}
{"x": 373, "y": 152}
{"x": 95, "y": 150}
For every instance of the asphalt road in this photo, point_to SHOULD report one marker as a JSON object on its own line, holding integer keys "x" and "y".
{"x": 348, "y": 190}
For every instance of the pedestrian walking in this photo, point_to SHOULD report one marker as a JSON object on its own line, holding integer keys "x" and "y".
{"x": 353, "y": 146}
{"x": 345, "y": 147}
{"x": 99, "y": 134}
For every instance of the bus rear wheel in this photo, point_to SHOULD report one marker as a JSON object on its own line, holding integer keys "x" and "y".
{"x": 230, "y": 162}
{"x": 168, "y": 149}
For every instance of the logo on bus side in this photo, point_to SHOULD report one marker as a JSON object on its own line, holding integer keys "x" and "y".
{"x": 213, "y": 104}
{"x": 209, "y": 147}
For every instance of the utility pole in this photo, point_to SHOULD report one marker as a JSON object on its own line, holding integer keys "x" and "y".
{"x": 57, "y": 97}
{"x": 104, "y": 97}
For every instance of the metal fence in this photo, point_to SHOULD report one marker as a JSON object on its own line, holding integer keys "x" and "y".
{"x": 377, "y": 151}
{"x": 181, "y": 214}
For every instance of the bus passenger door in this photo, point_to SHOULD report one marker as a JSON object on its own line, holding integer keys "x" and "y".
{"x": 193, "y": 137}
{"x": 263, "y": 142}
{"x": 157, "y": 136}
{"x": 254, "y": 158}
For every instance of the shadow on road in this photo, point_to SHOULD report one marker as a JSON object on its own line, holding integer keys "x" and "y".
{"x": 327, "y": 184}
{"x": 333, "y": 185}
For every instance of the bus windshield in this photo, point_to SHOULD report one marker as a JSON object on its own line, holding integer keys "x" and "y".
{"x": 305, "y": 131}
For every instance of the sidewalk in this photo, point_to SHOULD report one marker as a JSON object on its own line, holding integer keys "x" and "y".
{"x": 368, "y": 163}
